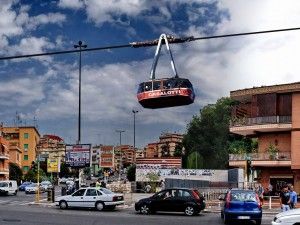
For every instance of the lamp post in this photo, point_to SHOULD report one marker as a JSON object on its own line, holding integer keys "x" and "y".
{"x": 120, "y": 163}
{"x": 134, "y": 112}
{"x": 80, "y": 46}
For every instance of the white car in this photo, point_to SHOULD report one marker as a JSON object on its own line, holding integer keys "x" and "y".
{"x": 91, "y": 197}
{"x": 33, "y": 188}
{"x": 289, "y": 217}
{"x": 46, "y": 185}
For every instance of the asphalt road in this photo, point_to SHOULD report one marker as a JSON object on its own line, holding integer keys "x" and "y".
{"x": 43, "y": 215}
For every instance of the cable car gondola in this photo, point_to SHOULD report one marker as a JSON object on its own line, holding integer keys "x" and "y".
{"x": 165, "y": 92}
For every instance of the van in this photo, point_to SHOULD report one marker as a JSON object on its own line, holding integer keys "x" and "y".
{"x": 8, "y": 187}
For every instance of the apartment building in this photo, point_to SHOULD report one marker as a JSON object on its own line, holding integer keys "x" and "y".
{"x": 22, "y": 142}
{"x": 4, "y": 159}
{"x": 272, "y": 115}
{"x": 52, "y": 147}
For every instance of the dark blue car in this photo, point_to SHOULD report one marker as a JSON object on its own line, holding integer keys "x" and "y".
{"x": 23, "y": 185}
{"x": 241, "y": 205}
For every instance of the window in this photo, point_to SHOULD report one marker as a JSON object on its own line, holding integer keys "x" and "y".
{"x": 26, "y": 135}
{"x": 26, "y": 147}
{"x": 25, "y": 157}
{"x": 25, "y": 168}
{"x": 91, "y": 192}
{"x": 79, "y": 192}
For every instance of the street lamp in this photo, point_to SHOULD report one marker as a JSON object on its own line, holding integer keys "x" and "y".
{"x": 120, "y": 163}
{"x": 80, "y": 46}
{"x": 134, "y": 112}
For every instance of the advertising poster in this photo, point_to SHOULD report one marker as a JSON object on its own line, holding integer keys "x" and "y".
{"x": 53, "y": 165}
{"x": 78, "y": 155}
{"x": 107, "y": 157}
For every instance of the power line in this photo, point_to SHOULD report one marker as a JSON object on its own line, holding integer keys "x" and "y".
{"x": 148, "y": 43}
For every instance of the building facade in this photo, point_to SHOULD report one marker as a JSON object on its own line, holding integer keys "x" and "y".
{"x": 272, "y": 115}
{"x": 52, "y": 147}
{"x": 4, "y": 159}
{"x": 96, "y": 150}
{"x": 22, "y": 143}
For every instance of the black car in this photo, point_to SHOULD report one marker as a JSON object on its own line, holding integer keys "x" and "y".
{"x": 189, "y": 201}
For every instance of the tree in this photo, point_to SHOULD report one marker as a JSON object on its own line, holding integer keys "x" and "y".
{"x": 64, "y": 170}
{"x": 208, "y": 134}
{"x": 131, "y": 173}
{"x": 15, "y": 172}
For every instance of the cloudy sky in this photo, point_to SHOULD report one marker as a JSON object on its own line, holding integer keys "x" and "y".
{"x": 46, "y": 88}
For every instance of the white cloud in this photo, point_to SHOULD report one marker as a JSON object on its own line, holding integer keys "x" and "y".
{"x": 71, "y": 4}
{"x": 42, "y": 19}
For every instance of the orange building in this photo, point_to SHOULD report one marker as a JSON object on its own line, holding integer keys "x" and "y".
{"x": 272, "y": 115}
{"x": 22, "y": 145}
{"x": 53, "y": 146}
{"x": 4, "y": 159}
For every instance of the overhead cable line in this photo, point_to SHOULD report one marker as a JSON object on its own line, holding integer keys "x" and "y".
{"x": 148, "y": 43}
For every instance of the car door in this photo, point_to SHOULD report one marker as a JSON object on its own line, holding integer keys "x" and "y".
{"x": 90, "y": 197}
{"x": 76, "y": 199}
{"x": 164, "y": 202}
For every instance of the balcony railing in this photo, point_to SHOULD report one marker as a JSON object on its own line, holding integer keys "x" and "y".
{"x": 248, "y": 121}
{"x": 280, "y": 156}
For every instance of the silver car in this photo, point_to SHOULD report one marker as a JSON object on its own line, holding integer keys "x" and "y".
{"x": 290, "y": 217}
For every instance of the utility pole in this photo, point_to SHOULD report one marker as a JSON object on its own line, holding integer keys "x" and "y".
{"x": 134, "y": 112}
{"x": 120, "y": 152}
{"x": 80, "y": 46}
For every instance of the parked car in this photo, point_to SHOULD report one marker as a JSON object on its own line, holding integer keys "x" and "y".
{"x": 33, "y": 188}
{"x": 23, "y": 185}
{"x": 290, "y": 217}
{"x": 46, "y": 185}
{"x": 90, "y": 197}
{"x": 189, "y": 201}
{"x": 241, "y": 205}
{"x": 8, "y": 187}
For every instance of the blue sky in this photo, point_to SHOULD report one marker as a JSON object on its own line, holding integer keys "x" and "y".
{"x": 46, "y": 88}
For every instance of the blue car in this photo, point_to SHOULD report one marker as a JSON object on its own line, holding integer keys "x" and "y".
{"x": 23, "y": 185}
{"x": 241, "y": 205}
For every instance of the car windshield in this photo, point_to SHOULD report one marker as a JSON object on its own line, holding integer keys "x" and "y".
{"x": 106, "y": 191}
{"x": 3, "y": 185}
{"x": 32, "y": 185}
{"x": 26, "y": 183}
{"x": 243, "y": 196}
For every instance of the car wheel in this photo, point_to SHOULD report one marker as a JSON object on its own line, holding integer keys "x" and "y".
{"x": 99, "y": 206}
{"x": 258, "y": 222}
{"x": 189, "y": 211}
{"x": 145, "y": 209}
{"x": 63, "y": 205}
{"x": 222, "y": 215}
{"x": 15, "y": 192}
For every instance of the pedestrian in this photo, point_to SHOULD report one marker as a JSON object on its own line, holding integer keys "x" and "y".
{"x": 260, "y": 193}
{"x": 285, "y": 198}
{"x": 293, "y": 197}
{"x": 98, "y": 184}
{"x": 162, "y": 185}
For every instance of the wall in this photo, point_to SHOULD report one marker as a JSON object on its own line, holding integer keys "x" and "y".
{"x": 283, "y": 141}
{"x": 295, "y": 142}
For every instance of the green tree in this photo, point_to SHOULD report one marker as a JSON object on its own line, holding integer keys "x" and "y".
{"x": 15, "y": 172}
{"x": 208, "y": 134}
{"x": 131, "y": 173}
{"x": 64, "y": 170}
{"x": 194, "y": 160}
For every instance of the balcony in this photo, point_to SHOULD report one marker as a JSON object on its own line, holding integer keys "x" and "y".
{"x": 4, "y": 156}
{"x": 4, "y": 171}
{"x": 281, "y": 159}
{"x": 249, "y": 126}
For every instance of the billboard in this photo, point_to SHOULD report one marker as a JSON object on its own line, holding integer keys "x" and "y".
{"x": 107, "y": 156}
{"x": 53, "y": 165}
{"x": 78, "y": 155}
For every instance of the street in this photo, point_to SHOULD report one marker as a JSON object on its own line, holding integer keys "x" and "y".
{"x": 20, "y": 210}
